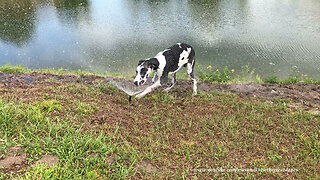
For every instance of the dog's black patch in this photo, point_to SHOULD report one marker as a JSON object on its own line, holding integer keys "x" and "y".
{"x": 141, "y": 61}
{"x": 153, "y": 63}
{"x": 173, "y": 55}
{"x": 143, "y": 72}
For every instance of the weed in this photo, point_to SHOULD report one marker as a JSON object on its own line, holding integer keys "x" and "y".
{"x": 247, "y": 75}
{"x": 50, "y": 106}
{"x": 294, "y": 77}
{"x": 272, "y": 79}
{"x": 273, "y": 156}
{"x": 84, "y": 109}
{"x": 215, "y": 75}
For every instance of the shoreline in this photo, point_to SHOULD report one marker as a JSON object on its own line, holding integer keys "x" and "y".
{"x": 298, "y": 92}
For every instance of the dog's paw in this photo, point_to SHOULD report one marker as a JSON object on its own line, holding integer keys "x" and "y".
{"x": 166, "y": 90}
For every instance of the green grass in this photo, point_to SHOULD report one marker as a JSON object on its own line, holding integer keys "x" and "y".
{"x": 27, "y": 125}
{"x": 13, "y": 69}
{"x": 226, "y": 75}
{"x": 19, "y": 69}
{"x": 163, "y": 136}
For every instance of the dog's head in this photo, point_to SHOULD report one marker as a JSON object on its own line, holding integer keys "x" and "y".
{"x": 144, "y": 69}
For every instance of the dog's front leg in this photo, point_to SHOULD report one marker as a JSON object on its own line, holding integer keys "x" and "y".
{"x": 154, "y": 78}
{"x": 149, "y": 89}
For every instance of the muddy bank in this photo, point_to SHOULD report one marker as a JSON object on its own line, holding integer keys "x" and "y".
{"x": 295, "y": 92}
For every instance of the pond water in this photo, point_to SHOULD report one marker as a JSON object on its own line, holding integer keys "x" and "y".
{"x": 113, "y": 35}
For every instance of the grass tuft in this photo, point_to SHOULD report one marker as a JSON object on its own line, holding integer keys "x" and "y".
{"x": 13, "y": 69}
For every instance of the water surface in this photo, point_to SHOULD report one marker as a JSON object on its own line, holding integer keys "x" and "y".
{"x": 113, "y": 35}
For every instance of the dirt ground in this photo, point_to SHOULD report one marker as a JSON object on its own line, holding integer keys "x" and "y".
{"x": 305, "y": 94}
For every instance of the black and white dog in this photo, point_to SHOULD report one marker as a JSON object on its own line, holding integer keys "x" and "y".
{"x": 165, "y": 63}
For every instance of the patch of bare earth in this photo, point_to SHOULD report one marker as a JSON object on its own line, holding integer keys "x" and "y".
{"x": 48, "y": 160}
{"x": 14, "y": 161}
{"x": 111, "y": 159}
{"x": 147, "y": 167}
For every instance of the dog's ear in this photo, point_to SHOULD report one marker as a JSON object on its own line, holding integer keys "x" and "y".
{"x": 153, "y": 63}
{"x": 141, "y": 61}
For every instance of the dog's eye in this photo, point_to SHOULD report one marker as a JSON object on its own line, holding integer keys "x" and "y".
{"x": 136, "y": 72}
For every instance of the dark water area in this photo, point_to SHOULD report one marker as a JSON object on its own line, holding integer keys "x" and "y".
{"x": 113, "y": 35}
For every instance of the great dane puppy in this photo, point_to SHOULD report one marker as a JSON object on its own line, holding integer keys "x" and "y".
{"x": 165, "y": 63}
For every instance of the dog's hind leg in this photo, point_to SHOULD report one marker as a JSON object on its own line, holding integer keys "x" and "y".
{"x": 190, "y": 71}
{"x": 173, "y": 82}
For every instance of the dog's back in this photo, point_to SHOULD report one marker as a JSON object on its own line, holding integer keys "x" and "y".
{"x": 178, "y": 55}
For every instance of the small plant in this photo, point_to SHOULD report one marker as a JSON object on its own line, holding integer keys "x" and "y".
{"x": 294, "y": 77}
{"x": 50, "y": 106}
{"x": 309, "y": 80}
{"x": 216, "y": 75}
{"x": 247, "y": 75}
{"x": 273, "y": 156}
{"x": 84, "y": 109}
{"x": 258, "y": 79}
{"x": 272, "y": 79}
